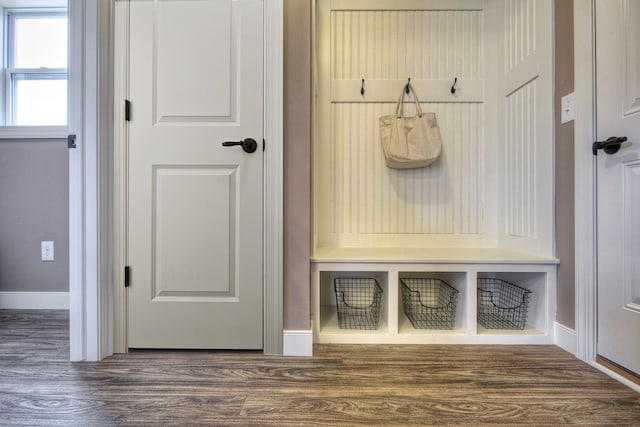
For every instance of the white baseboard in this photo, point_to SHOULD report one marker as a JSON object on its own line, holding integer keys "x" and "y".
{"x": 565, "y": 338}
{"x": 297, "y": 343}
{"x": 300, "y": 343}
{"x": 34, "y": 300}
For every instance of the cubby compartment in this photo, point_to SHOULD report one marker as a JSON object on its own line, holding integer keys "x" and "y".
{"x": 358, "y": 317}
{"x": 457, "y": 281}
{"x": 536, "y": 283}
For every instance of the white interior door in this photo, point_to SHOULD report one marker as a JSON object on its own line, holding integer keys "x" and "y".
{"x": 618, "y": 175}
{"x": 195, "y": 206}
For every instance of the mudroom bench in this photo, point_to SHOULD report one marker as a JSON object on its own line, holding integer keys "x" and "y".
{"x": 483, "y": 212}
{"x": 458, "y": 268}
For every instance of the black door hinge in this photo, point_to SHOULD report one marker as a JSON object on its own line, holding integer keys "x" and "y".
{"x": 127, "y": 276}
{"x": 127, "y": 110}
{"x": 264, "y": 144}
{"x": 71, "y": 141}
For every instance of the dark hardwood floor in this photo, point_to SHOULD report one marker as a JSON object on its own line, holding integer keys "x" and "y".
{"x": 340, "y": 385}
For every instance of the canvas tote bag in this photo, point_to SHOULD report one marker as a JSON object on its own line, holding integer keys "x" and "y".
{"x": 410, "y": 142}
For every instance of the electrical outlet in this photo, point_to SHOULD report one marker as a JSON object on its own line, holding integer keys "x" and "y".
{"x": 46, "y": 251}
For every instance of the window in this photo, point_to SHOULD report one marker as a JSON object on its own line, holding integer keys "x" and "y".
{"x": 35, "y": 88}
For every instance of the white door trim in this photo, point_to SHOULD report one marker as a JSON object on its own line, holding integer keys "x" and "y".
{"x": 585, "y": 180}
{"x": 89, "y": 120}
{"x": 90, "y": 174}
{"x": 76, "y": 187}
{"x": 273, "y": 184}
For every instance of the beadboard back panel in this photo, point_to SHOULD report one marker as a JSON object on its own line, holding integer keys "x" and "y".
{"x": 520, "y": 171}
{"x": 520, "y": 32}
{"x": 397, "y": 44}
{"x": 366, "y": 52}
{"x": 369, "y": 198}
{"x": 358, "y": 200}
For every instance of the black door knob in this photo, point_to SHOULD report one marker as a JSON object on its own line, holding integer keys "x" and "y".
{"x": 610, "y": 146}
{"x": 249, "y": 145}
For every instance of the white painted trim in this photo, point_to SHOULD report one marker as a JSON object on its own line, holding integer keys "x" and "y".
{"x": 565, "y": 338}
{"x": 297, "y": 343}
{"x": 90, "y": 182}
{"x": 33, "y": 132}
{"x": 34, "y": 300}
{"x": 617, "y": 377}
{"x": 120, "y": 175}
{"x": 76, "y": 183}
{"x": 104, "y": 132}
{"x": 585, "y": 180}
{"x": 89, "y": 222}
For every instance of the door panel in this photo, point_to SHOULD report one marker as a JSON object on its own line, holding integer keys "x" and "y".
{"x": 195, "y": 207}
{"x": 618, "y": 193}
{"x": 186, "y": 263}
{"x": 182, "y": 69}
{"x": 631, "y": 278}
{"x": 631, "y": 57}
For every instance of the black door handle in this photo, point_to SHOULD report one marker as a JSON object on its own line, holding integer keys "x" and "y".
{"x": 610, "y": 146}
{"x": 249, "y": 145}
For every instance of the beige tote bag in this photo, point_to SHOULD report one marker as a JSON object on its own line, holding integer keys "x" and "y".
{"x": 410, "y": 142}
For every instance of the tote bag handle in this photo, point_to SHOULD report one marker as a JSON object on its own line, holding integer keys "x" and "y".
{"x": 400, "y": 105}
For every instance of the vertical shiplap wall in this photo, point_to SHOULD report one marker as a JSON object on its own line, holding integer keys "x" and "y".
{"x": 396, "y": 44}
{"x": 520, "y": 130}
{"x": 369, "y": 198}
{"x": 361, "y": 202}
{"x": 519, "y": 32}
{"x": 520, "y": 166}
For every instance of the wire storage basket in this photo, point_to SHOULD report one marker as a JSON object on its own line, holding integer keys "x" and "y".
{"x": 502, "y": 305}
{"x": 429, "y": 303}
{"x": 358, "y": 302}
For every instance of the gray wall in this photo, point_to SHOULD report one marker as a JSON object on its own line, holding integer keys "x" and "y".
{"x": 565, "y": 235}
{"x": 34, "y": 206}
{"x": 297, "y": 163}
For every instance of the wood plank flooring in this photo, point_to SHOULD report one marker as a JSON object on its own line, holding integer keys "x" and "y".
{"x": 340, "y": 385}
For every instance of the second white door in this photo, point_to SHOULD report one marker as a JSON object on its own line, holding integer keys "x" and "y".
{"x": 618, "y": 175}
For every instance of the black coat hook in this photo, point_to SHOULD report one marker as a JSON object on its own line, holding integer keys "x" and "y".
{"x": 406, "y": 89}
{"x": 453, "y": 86}
{"x": 362, "y": 88}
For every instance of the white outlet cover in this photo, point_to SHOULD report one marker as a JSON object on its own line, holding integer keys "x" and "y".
{"x": 568, "y": 108}
{"x": 46, "y": 251}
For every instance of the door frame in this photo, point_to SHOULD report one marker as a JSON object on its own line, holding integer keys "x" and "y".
{"x": 585, "y": 188}
{"x": 585, "y": 180}
{"x": 97, "y": 249}
{"x": 90, "y": 119}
